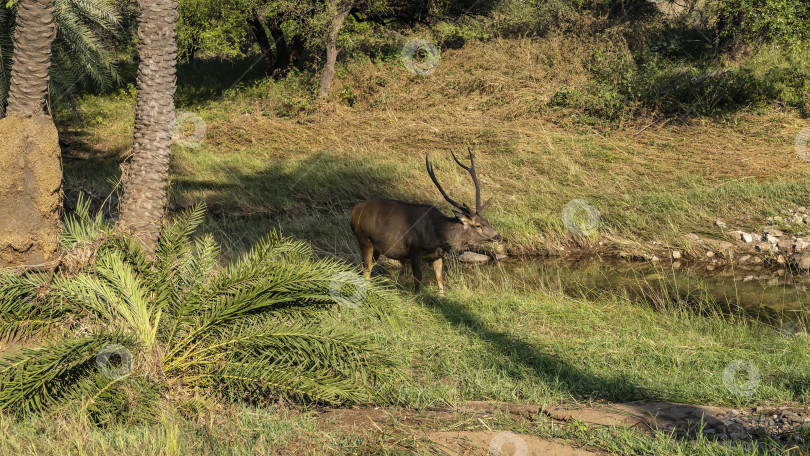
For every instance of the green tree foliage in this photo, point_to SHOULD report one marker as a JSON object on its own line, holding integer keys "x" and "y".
{"x": 84, "y": 53}
{"x": 785, "y": 22}
{"x": 259, "y": 327}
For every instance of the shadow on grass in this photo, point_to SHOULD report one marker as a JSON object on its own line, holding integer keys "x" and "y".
{"x": 549, "y": 367}
{"x": 309, "y": 199}
{"x": 204, "y": 80}
{"x": 316, "y": 184}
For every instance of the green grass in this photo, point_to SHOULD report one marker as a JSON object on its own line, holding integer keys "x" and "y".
{"x": 272, "y": 159}
{"x": 275, "y": 430}
{"x": 503, "y": 340}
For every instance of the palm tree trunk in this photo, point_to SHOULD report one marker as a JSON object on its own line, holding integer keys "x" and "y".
{"x": 30, "y": 157}
{"x": 34, "y": 34}
{"x": 145, "y": 177}
{"x": 343, "y": 9}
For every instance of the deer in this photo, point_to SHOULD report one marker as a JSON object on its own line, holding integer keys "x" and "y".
{"x": 416, "y": 232}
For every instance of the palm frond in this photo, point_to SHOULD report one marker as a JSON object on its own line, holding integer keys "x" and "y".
{"x": 35, "y": 379}
{"x": 114, "y": 290}
{"x": 82, "y": 228}
{"x": 83, "y": 51}
{"x": 23, "y": 312}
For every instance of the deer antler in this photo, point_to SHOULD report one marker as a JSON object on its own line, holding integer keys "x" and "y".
{"x": 471, "y": 169}
{"x": 462, "y": 207}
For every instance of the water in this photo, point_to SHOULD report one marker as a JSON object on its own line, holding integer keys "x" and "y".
{"x": 732, "y": 287}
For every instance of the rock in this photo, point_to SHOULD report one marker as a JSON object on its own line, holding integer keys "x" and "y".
{"x": 774, "y": 232}
{"x": 744, "y": 258}
{"x": 770, "y": 238}
{"x": 391, "y": 263}
{"x": 785, "y": 244}
{"x": 806, "y": 219}
{"x": 756, "y": 237}
{"x": 780, "y": 259}
{"x": 472, "y": 257}
{"x": 676, "y": 265}
{"x": 710, "y": 254}
{"x": 501, "y": 256}
{"x": 802, "y": 261}
{"x": 801, "y": 209}
{"x": 746, "y": 237}
{"x": 709, "y": 431}
{"x": 763, "y": 247}
{"x": 721, "y": 246}
{"x": 676, "y": 255}
{"x": 797, "y": 218}
{"x": 720, "y": 223}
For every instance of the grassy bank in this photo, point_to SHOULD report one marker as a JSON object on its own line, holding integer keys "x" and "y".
{"x": 489, "y": 339}
{"x": 271, "y": 158}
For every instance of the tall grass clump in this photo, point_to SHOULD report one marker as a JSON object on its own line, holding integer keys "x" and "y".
{"x": 125, "y": 331}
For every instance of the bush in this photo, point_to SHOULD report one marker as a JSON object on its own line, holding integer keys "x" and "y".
{"x": 784, "y": 22}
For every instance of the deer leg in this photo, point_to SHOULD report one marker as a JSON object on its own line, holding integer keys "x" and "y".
{"x": 367, "y": 251}
{"x": 437, "y": 269}
{"x": 416, "y": 266}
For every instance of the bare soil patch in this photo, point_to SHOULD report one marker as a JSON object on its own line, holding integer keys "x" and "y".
{"x": 447, "y": 430}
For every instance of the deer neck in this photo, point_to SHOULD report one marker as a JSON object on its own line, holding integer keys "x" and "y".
{"x": 454, "y": 235}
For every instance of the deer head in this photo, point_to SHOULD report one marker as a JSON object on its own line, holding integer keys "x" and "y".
{"x": 477, "y": 228}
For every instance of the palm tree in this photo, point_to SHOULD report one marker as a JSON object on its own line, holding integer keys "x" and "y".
{"x": 83, "y": 49}
{"x": 257, "y": 328}
{"x": 146, "y": 175}
{"x": 35, "y": 33}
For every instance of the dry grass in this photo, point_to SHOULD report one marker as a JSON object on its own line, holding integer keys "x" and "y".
{"x": 651, "y": 178}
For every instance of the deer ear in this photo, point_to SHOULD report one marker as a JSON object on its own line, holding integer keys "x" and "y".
{"x": 463, "y": 218}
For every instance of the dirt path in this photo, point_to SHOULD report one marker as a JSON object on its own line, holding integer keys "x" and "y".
{"x": 447, "y": 430}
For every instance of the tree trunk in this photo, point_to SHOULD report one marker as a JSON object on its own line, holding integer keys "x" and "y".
{"x": 145, "y": 177}
{"x": 257, "y": 28}
{"x": 30, "y": 158}
{"x": 296, "y": 48}
{"x": 282, "y": 52}
{"x": 343, "y": 10}
{"x": 34, "y": 34}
